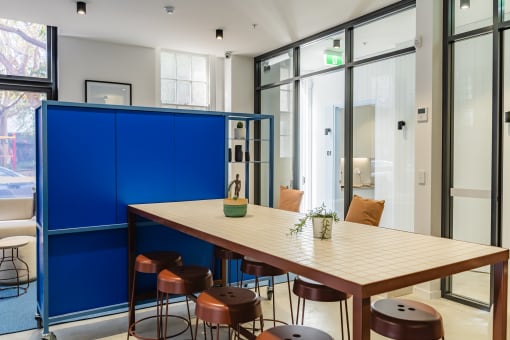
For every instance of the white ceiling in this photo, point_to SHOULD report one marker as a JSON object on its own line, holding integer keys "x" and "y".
{"x": 192, "y": 27}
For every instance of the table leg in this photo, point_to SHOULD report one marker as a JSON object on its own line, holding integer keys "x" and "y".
{"x": 131, "y": 263}
{"x": 361, "y": 318}
{"x": 500, "y": 288}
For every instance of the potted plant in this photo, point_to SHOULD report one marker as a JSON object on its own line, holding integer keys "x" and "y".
{"x": 239, "y": 131}
{"x": 322, "y": 222}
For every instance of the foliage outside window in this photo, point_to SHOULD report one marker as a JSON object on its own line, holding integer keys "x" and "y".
{"x": 23, "y": 56}
{"x": 23, "y": 50}
{"x": 184, "y": 80}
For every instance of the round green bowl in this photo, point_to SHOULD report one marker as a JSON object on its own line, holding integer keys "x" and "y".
{"x": 235, "y": 208}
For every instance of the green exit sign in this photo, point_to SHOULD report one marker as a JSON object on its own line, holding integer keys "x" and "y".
{"x": 333, "y": 59}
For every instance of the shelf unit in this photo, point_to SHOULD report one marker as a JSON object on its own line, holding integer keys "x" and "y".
{"x": 258, "y": 171}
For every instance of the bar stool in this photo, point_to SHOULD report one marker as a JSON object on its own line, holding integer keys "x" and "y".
{"x": 258, "y": 269}
{"x": 402, "y": 319}
{"x": 14, "y": 268}
{"x": 183, "y": 280}
{"x": 228, "y": 306}
{"x": 149, "y": 263}
{"x": 225, "y": 255}
{"x": 288, "y": 332}
{"x": 307, "y": 289}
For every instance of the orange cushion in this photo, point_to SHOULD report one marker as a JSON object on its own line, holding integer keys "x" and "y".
{"x": 365, "y": 211}
{"x": 290, "y": 199}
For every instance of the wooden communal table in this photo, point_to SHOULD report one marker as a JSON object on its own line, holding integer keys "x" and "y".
{"x": 359, "y": 259}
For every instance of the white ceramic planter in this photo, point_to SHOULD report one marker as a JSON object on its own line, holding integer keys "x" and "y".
{"x": 239, "y": 133}
{"x": 322, "y": 227}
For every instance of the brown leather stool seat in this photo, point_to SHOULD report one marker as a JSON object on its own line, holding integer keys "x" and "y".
{"x": 259, "y": 269}
{"x": 149, "y": 263}
{"x": 307, "y": 289}
{"x": 406, "y": 319}
{"x": 228, "y": 306}
{"x": 183, "y": 280}
{"x": 288, "y": 332}
{"x": 225, "y": 255}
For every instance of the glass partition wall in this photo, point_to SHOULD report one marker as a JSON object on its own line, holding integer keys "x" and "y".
{"x": 348, "y": 88}
{"x": 476, "y": 138}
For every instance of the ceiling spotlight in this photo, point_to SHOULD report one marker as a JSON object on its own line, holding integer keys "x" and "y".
{"x": 336, "y": 43}
{"x": 219, "y": 34}
{"x": 169, "y": 9}
{"x": 465, "y": 4}
{"x": 81, "y": 8}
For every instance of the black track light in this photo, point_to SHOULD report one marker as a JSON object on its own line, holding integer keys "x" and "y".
{"x": 81, "y": 8}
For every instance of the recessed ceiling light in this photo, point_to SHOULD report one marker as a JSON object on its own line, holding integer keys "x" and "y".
{"x": 219, "y": 34}
{"x": 81, "y": 8}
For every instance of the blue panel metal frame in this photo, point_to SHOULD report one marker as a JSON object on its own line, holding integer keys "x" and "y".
{"x": 44, "y": 233}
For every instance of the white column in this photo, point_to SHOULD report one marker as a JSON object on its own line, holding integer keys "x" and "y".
{"x": 427, "y": 217}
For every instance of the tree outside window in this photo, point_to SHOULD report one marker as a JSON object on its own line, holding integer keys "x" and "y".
{"x": 23, "y": 57}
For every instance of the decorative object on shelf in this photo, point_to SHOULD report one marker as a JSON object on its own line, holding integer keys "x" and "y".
{"x": 247, "y": 156}
{"x": 238, "y": 156}
{"x": 322, "y": 222}
{"x": 239, "y": 131}
{"x": 106, "y": 92}
{"x": 233, "y": 206}
{"x": 230, "y": 154}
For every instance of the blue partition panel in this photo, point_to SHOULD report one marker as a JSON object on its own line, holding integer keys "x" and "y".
{"x": 145, "y": 165}
{"x": 39, "y": 170}
{"x": 200, "y": 144}
{"x": 81, "y": 169}
{"x": 87, "y": 270}
{"x": 92, "y": 161}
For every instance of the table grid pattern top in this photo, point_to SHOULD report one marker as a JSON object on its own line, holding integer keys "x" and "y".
{"x": 357, "y": 253}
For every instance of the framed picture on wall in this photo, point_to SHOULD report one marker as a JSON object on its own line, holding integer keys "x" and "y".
{"x": 107, "y": 92}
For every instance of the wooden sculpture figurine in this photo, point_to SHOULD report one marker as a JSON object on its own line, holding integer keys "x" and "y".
{"x": 233, "y": 206}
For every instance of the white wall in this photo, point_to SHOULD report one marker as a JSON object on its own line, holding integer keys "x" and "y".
{"x": 80, "y": 59}
{"x": 427, "y": 203}
{"x": 239, "y": 83}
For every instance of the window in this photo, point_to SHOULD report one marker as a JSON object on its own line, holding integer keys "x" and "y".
{"x": 26, "y": 78}
{"x": 23, "y": 48}
{"x": 184, "y": 79}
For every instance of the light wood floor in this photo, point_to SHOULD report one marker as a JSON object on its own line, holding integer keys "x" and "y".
{"x": 460, "y": 322}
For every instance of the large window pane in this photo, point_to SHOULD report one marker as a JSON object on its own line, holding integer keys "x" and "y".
{"x": 507, "y": 10}
{"x": 322, "y": 140}
{"x": 322, "y": 54}
{"x": 23, "y": 49}
{"x": 183, "y": 67}
{"x": 385, "y": 35}
{"x": 383, "y": 164}
{"x": 184, "y": 80}
{"x": 472, "y": 156}
{"x": 17, "y": 142}
{"x": 478, "y": 14}
{"x": 278, "y": 102}
{"x": 168, "y": 65}
{"x": 277, "y": 68}
{"x": 198, "y": 68}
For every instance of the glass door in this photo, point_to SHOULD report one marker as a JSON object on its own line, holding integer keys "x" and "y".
{"x": 321, "y": 140}
{"x": 472, "y": 135}
{"x": 384, "y": 137}
{"x": 506, "y": 136}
